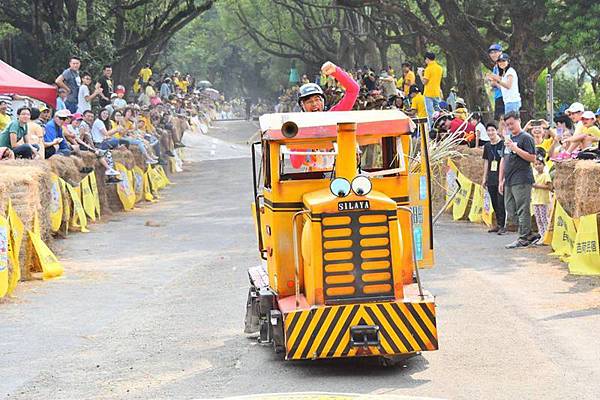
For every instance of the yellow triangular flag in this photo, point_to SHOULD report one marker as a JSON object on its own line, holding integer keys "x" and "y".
{"x": 87, "y": 199}
{"x": 125, "y": 188}
{"x": 163, "y": 175}
{"x": 147, "y": 189}
{"x": 56, "y": 203}
{"x": 138, "y": 183}
{"x": 50, "y": 265}
{"x": 79, "y": 218}
{"x": 4, "y": 256}
{"x": 94, "y": 186}
{"x": 66, "y": 195}
{"x": 585, "y": 258}
{"x": 16, "y": 239}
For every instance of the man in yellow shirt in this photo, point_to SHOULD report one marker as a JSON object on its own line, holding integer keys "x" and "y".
{"x": 5, "y": 119}
{"x": 432, "y": 79}
{"x": 408, "y": 77}
{"x": 145, "y": 74}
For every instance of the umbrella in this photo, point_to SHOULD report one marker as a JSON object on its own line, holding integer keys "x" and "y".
{"x": 204, "y": 84}
{"x": 212, "y": 93}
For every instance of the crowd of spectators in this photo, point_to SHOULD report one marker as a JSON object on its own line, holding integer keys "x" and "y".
{"x": 100, "y": 116}
{"x": 518, "y": 158}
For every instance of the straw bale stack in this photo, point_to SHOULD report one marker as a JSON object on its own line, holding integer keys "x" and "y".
{"x": 577, "y": 187}
{"x": 67, "y": 168}
{"x": 471, "y": 164}
{"x": 27, "y": 184}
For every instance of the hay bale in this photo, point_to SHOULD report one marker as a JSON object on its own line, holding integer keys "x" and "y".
{"x": 124, "y": 156}
{"x": 138, "y": 158}
{"x": 27, "y": 184}
{"x": 67, "y": 168}
{"x": 577, "y": 187}
{"x": 471, "y": 164}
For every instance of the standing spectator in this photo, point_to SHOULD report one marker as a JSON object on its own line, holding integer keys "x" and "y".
{"x": 16, "y": 136}
{"x": 165, "y": 89}
{"x": 451, "y": 99}
{"x": 389, "y": 87}
{"x": 54, "y": 140}
{"x": 5, "y": 119}
{"x": 85, "y": 98}
{"x": 408, "y": 78}
{"x": 145, "y": 74}
{"x": 494, "y": 53}
{"x": 492, "y": 154}
{"x": 432, "y": 78}
{"x": 153, "y": 99}
{"x": 540, "y": 196}
{"x": 70, "y": 81}
{"x": 106, "y": 84}
{"x": 508, "y": 81}
{"x": 369, "y": 81}
{"x": 61, "y": 100}
{"x": 516, "y": 178}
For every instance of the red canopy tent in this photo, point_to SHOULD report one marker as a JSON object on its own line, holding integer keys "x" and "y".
{"x": 13, "y": 81}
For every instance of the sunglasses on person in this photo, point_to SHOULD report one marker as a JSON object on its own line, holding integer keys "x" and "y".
{"x": 63, "y": 118}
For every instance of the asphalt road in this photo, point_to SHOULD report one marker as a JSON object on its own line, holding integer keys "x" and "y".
{"x": 156, "y": 312}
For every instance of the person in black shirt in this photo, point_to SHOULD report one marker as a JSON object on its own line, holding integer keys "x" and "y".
{"x": 516, "y": 178}
{"x": 106, "y": 84}
{"x": 492, "y": 154}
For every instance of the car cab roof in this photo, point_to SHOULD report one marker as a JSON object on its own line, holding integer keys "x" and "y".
{"x": 319, "y": 125}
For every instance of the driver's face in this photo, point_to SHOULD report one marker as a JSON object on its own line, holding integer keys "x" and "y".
{"x": 313, "y": 103}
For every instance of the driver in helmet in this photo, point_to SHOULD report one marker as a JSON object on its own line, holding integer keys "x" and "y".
{"x": 311, "y": 97}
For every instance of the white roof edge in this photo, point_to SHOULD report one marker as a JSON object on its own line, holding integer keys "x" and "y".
{"x": 308, "y": 119}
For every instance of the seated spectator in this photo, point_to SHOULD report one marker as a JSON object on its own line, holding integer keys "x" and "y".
{"x": 588, "y": 134}
{"x": 45, "y": 116}
{"x": 132, "y": 137}
{"x": 16, "y": 136}
{"x": 119, "y": 103}
{"x": 54, "y": 140}
{"x": 459, "y": 128}
{"x": 481, "y": 135}
{"x": 73, "y": 136}
{"x": 5, "y": 119}
{"x": 36, "y": 132}
{"x": 103, "y": 133}
{"x": 61, "y": 99}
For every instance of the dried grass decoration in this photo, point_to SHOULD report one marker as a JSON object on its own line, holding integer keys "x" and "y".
{"x": 56, "y": 203}
{"x": 125, "y": 188}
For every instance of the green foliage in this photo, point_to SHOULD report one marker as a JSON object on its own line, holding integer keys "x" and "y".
{"x": 566, "y": 91}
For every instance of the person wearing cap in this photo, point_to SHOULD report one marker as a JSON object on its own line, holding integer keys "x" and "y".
{"x": 432, "y": 79}
{"x": 16, "y": 135}
{"x": 5, "y": 119}
{"x": 119, "y": 103}
{"x": 586, "y": 136}
{"x": 417, "y": 101}
{"x": 85, "y": 98}
{"x": 575, "y": 111}
{"x": 494, "y": 53}
{"x": 311, "y": 97}
{"x": 508, "y": 82}
{"x": 389, "y": 87}
{"x": 54, "y": 140}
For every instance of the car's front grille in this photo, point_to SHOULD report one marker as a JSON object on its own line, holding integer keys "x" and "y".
{"x": 357, "y": 262}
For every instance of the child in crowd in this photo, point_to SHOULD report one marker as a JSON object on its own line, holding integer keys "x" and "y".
{"x": 584, "y": 138}
{"x": 481, "y": 136}
{"x": 540, "y": 196}
{"x": 492, "y": 154}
